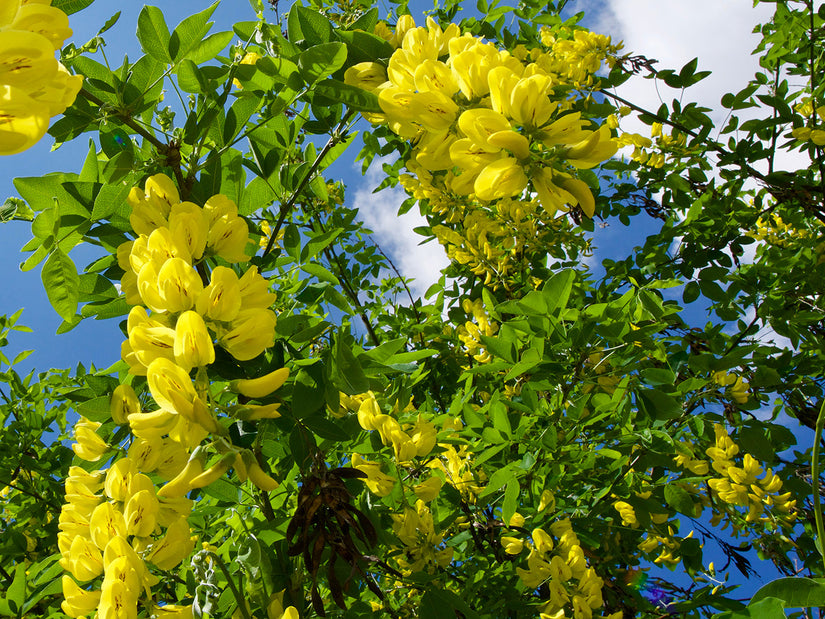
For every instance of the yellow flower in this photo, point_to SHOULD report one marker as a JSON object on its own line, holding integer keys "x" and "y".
{"x": 366, "y": 75}
{"x": 47, "y": 21}
{"x": 117, "y": 601}
{"x": 106, "y": 522}
{"x": 173, "y": 547}
{"x": 26, "y": 60}
{"x": 178, "y": 285}
{"x": 141, "y": 512}
{"x": 78, "y": 602}
{"x": 255, "y": 290}
{"x": 23, "y": 121}
{"x": 512, "y": 545}
{"x": 146, "y": 452}
{"x": 501, "y": 179}
{"x": 221, "y": 299}
{"x": 429, "y": 489}
{"x": 171, "y": 386}
{"x": 84, "y": 559}
{"x": 172, "y": 611}
{"x": 252, "y": 332}
{"x": 530, "y": 104}
{"x": 188, "y": 227}
{"x": 118, "y": 478}
{"x": 193, "y": 343}
{"x": 124, "y": 402}
{"x": 262, "y": 386}
{"x": 88, "y": 446}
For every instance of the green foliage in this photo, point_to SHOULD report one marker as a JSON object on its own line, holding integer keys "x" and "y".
{"x": 571, "y": 420}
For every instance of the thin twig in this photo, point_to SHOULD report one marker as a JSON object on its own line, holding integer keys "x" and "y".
{"x": 127, "y": 120}
{"x": 337, "y": 136}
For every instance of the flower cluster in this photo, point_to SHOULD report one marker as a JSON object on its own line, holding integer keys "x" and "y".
{"x": 740, "y": 486}
{"x": 422, "y": 545}
{"x": 114, "y": 524}
{"x": 562, "y": 567}
{"x": 182, "y": 312}
{"x": 408, "y": 442}
{"x": 34, "y": 86}
{"x": 470, "y": 333}
{"x": 652, "y": 151}
{"x": 815, "y": 117}
{"x": 488, "y": 125}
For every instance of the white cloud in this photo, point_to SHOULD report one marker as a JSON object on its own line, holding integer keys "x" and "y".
{"x": 394, "y": 233}
{"x": 719, "y": 32}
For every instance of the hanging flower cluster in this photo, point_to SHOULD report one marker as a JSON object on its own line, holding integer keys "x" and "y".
{"x": 559, "y": 564}
{"x": 488, "y": 125}
{"x": 115, "y": 522}
{"x": 34, "y": 86}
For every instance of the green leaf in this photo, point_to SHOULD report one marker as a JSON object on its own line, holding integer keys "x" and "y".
{"x": 61, "y": 281}
{"x": 308, "y": 392}
{"x": 659, "y": 405}
{"x": 190, "y": 78}
{"x": 557, "y": 290}
{"x": 351, "y": 96}
{"x": 364, "y": 46}
{"x": 347, "y": 374}
{"x": 510, "y": 504}
{"x": 190, "y": 32}
{"x": 310, "y": 26}
{"x": 691, "y": 292}
{"x": 210, "y": 47}
{"x": 794, "y": 592}
{"x": 443, "y": 604}
{"x": 679, "y": 499}
{"x": 153, "y": 34}
{"x": 16, "y": 594}
{"x": 316, "y": 270}
{"x": 71, "y": 6}
{"x": 321, "y": 61}
{"x": 89, "y": 172}
{"x": 318, "y": 243}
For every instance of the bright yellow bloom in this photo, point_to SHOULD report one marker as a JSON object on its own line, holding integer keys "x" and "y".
{"x": 178, "y": 285}
{"x": 172, "y": 611}
{"x": 261, "y": 387}
{"x": 88, "y": 446}
{"x": 173, "y": 547}
{"x": 428, "y": 489}
{"x": 141, "y": 512}
{"x": 118, "y": 478}
{"x": 501, "y": 179}
{"x": 124, "y": 402}
{"x": 171, "y": 387}
{"x": 106, "y": 522}
{"x": 78, "y": 601}
{"x": 193, "y": 343}
{"x": 221, "y": 299}
{"x": 187, "y": 224}
{"x": 366, "y": 75}
{"x": 23, "y": 121}
{"x": 26, "y": 60}
{"x": 252, "y": 332}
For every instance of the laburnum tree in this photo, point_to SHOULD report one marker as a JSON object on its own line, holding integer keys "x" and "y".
{"x": 292, "y": 432}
